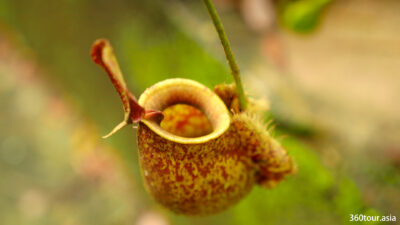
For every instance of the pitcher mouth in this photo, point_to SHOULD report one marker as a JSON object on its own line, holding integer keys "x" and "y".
{"x": 183, "y": 91}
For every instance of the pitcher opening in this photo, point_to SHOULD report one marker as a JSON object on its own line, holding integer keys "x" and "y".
{"x": 172, "y": 92}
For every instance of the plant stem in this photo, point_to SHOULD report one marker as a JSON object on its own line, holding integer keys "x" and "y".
{"x": 228, "y": 52}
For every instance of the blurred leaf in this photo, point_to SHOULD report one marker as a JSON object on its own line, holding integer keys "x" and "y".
{"x": 303, "y": 15}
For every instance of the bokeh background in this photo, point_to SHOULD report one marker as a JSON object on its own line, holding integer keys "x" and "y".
{"x": 329, "y": 68}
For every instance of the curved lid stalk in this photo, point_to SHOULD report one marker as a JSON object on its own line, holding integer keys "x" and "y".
{"x": 103, "y": 54}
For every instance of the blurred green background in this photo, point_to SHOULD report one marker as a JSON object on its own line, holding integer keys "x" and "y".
{"x": 328, "y": 68}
